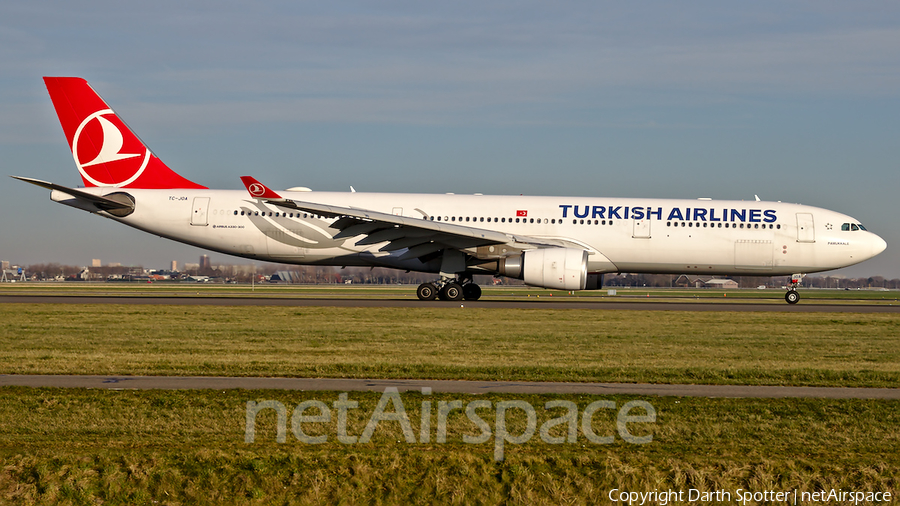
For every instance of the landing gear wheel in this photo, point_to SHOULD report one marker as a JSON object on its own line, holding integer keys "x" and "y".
{"x": 471, "y": 291}
{"x": 792, "y": 297}
{"x": 427, "y": 291}
{"x": 451, "y": 291}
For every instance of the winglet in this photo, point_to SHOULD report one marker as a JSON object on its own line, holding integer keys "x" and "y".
{"x": 257, "y": 189}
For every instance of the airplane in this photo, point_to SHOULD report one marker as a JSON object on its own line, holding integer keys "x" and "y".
{"x": 563, "y": 243}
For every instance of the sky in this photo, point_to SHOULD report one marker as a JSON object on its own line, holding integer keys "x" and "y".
{"x": 791, "y": 101}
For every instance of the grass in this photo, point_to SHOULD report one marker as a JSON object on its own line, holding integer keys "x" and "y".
{"x": 177, "y": 447}
{"x": 823, "y": 349}
{"x": 187, "y": 447}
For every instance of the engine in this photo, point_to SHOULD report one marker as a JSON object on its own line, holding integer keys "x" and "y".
{"x": 557, "y": 268}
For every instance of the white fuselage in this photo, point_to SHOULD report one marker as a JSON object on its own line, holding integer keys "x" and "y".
{"x": 620, "y": 235}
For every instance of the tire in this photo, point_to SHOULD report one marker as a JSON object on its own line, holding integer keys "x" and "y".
{"x": 427, "y": 291}
{"x": 471, "y": 291}
{"x": 452, "y": 292}
{"x": 792, "y": 297}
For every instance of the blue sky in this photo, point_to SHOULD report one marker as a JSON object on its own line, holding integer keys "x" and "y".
{"x": 794, "y": 101}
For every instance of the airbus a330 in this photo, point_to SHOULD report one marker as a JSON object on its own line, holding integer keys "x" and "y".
{"x": 564, "y": 243}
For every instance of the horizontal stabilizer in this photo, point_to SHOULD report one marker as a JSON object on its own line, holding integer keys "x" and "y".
{"x": 101, "y": 202}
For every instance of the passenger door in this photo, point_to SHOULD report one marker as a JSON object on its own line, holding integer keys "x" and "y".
{"x": 806, "y": 231}
{"x": 199, "y": 211}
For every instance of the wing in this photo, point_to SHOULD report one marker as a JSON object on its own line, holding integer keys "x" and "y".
{"x": 420, "y": 236}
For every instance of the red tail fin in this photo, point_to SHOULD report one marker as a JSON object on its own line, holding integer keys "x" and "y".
{"x": 106, "y": 151}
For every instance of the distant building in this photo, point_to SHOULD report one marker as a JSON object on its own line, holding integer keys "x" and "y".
{"x": 686, "y": 281}
{"x": 204, "y": 262}
{"x": 174, "y": 267}
{"x": 5, "y": 264}
{"x": 96, "y": 263}
{"x": 285, "y": 277}
{"x": 721, "y": 283}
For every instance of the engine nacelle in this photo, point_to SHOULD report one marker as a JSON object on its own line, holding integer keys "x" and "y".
{"x": 557, "y": 268}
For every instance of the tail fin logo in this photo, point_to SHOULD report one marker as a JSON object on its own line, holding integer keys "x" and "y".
{"x": 256, "y": 189}
{"x": 108, "y": 165}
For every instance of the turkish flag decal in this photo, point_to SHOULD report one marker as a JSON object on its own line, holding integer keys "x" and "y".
{"x": 521, "y": 213}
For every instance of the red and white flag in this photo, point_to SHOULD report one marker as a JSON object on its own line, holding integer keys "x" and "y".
{"x": 521, "y": 213}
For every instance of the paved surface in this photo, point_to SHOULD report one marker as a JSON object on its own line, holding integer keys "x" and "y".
{"x": 531, "y": 303}
{"x": 469, "y": 387}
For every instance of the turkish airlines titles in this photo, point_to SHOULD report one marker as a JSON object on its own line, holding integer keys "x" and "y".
{"x": 676, "y": 213}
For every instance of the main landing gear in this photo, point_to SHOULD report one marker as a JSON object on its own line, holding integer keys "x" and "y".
{"x": 449, "y": 289}
{"x": 793, "y": 296}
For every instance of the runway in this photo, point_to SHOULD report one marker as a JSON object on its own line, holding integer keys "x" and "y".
{"x": 442, "y": 386}
{"x": 531, "y": 303}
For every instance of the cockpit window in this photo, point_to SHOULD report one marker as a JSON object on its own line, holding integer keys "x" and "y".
{"x": 852, "y": 227}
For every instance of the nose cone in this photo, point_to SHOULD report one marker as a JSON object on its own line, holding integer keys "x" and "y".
{"x": 878, "y": 245}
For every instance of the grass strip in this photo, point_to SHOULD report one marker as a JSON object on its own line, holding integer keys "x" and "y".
{"x": 814, "y": 349}
{"x": 171, "y": 447}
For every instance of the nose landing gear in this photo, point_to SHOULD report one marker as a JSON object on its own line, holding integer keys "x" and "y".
{"x": 793, "y": 296}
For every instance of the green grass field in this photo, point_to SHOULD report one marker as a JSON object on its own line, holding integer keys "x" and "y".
{"x": 154, "y": 447}
{"x": 825, "y": 349}
{"x": 187, "y": 447}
